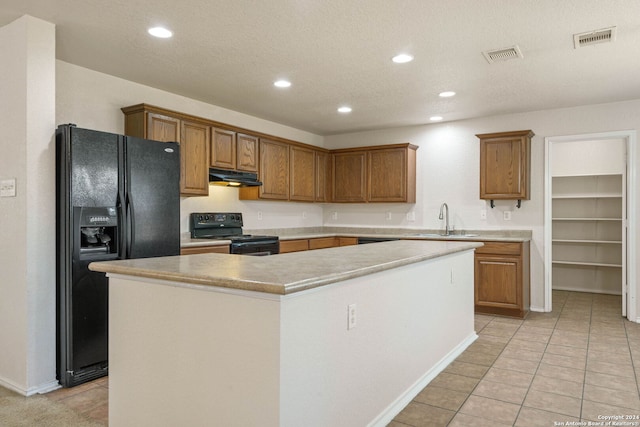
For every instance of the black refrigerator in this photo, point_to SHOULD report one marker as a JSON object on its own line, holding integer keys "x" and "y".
{"x": 118, "y": 197}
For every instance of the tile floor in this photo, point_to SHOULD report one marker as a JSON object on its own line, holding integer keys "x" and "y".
{"x": 574, "y": 364}
{"x": 577, "y": 363}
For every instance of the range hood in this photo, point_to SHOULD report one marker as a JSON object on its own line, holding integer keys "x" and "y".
{"x": 233, "y": 178}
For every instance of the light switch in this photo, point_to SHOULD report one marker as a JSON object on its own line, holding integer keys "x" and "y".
{"x": 8, "y": 187}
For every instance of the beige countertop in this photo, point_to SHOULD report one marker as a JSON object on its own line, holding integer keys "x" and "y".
{"x": 285, "y": 273}
{"x": 392, "y": 233}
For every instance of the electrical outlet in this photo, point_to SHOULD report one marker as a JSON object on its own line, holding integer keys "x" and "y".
{"x": 351, "y": 316}
{"x": 506, "y": 215}
{"x": 483, "y": 214}
{"x": 334, "y": 215}
{"x": 304, "y": 215}
{"x": 259, "y": 215}
{"x": 388, "y": 216}
{"x": 452, "y": 280}
{"x": 8, "y": 188}
{"x": 411, "y": 216}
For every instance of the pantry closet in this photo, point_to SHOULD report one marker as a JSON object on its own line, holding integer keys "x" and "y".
{"x": 586, "y": 214}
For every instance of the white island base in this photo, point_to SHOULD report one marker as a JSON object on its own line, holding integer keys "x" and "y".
{"x": 193, "y": 355}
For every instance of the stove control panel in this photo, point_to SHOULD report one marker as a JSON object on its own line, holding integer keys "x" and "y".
{"x": 215, "y": 220}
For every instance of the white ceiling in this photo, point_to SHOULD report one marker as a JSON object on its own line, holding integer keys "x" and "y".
{"x": 336, "y": 52}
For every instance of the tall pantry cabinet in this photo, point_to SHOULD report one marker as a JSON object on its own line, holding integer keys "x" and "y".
{"x": 588, "y": 216}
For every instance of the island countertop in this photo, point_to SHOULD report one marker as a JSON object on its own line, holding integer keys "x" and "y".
{"x": 285, "y": 273}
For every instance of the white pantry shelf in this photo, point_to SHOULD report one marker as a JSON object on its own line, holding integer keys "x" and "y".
{"x": 587, "y": 264}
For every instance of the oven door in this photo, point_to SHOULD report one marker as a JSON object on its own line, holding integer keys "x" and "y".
{"x": 270, "y": 247}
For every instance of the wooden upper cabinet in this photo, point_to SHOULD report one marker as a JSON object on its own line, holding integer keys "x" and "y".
{"x": 274, "y": 170}
{"x": 349, "y": 176}
{"x": 323, "y": 176}
{"x": 223, "y": 149}
{"x": 392, "y": 174}
{"x": 143, "y": 122}
{"x": 302, "y": 174}
{"x": 247, "y": 152}
{"x": 162, "y": 128}
{"x": 234, "y": 151}
{"x": 289, "y": 170}
{"x": 505, "y": 165}
{"x": 194, "y": 152}
{"x": 384, "y": 173}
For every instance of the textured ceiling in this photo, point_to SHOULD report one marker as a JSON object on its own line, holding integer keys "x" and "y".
{"x": 339, "y": 52}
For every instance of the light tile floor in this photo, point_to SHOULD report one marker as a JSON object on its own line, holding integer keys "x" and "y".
{"x": 577, "y": 363}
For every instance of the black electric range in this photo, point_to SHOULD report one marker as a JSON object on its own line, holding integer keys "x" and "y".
{"x": 228, "y": 226}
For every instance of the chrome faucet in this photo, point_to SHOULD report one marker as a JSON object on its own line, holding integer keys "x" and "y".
{"x": 443, "y": 207}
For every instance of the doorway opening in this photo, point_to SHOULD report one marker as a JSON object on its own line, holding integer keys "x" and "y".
{"x": 589, "y": 216}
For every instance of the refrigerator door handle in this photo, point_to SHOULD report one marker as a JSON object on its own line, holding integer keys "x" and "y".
{"x": 130, "y": 224}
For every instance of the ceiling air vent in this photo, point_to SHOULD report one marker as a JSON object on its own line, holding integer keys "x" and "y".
{"x": 606, "y": 35}
{"x": 503, "y": 54}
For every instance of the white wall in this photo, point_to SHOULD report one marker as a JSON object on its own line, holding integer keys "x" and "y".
{"x": 448, "y": 171}
{"x": 27, "y": 253}
{"x": 93, "y": 100}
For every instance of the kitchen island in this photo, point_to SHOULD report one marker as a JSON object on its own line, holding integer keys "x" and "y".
{"x": 340, "y": 336}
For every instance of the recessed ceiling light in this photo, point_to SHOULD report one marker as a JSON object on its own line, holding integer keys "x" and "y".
{"x": 402, "y": 58}
{"x": 447, "y": 94}
{"x": 160, "y": 32}
{"x": 344, "y": 109}
{"x": 435, "y": 118}
{"x": 282, "y": 83}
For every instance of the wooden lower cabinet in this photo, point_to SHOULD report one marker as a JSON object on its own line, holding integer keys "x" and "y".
{"x": 205, "y": 250}
{"x": 347, "y": 241}
{"x": 502, "y": 278}
{"x": 315, "y": 243}
{"x": 294, "y": 245}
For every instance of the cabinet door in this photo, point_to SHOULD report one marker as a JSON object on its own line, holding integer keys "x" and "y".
{"x": 274, "y": 170}
{"x": 205, "y": 250}
{"x": 349, "y": 177}
{"x": 247, "y": 153}
{"x": 387, "y": 175}
{"x": 505, "y": 165}
{"x": 293, "y": 245}
{"x": 223, "y": 149}
{"x": 194, "y": 152}
{"x": 347, "y": 241}
{"x": 162, "y": 128}
{"x": 498, "y": 283}
{"x": 323, "y": 174}
{"x": 323, "y": 242}
{"x": 302, "y": 174}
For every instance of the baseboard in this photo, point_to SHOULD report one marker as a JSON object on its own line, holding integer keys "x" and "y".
{"x": 537, "y": 309}
{"x": 39, "y": 389}
{"x": 44, "y": 388}
{"x": 386, "y": 416}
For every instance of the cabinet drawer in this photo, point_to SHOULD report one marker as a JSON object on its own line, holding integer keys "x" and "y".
{"x": 347, "y": 241}
{"x": 205, "y": 250}
{"x": 293, "y": 245}
{"x": 322, "y": 242}
{"x": 500, "y": 248}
